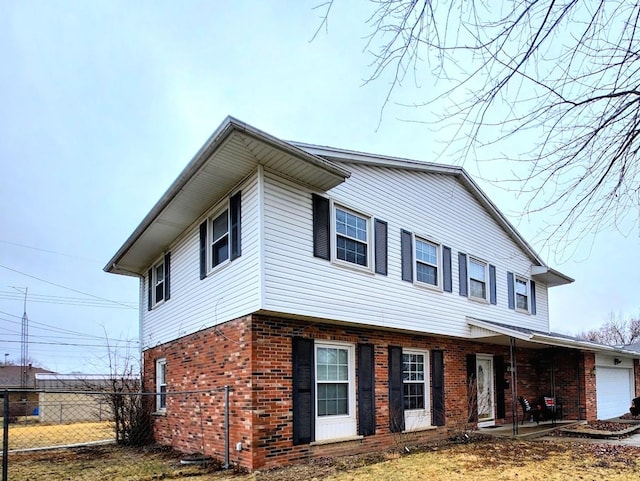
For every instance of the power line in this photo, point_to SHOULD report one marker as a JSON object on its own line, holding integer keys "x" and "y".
{"x": 48, "y": 251}
{"x": 64, "y": 287}
{"x": 68, "y": 301}
{"x": 58, "y": 330}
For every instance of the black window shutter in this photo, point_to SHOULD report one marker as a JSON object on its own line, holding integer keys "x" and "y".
{"x": 406, "y": 251}
{"x": 437, "y": 387}
{"x": 498, "y": 364}
{"x": 533, "y": 297}
{"x": 462, "y": 273}
{"x": 149, "y": 290}
{"x": 303, "y": 388}
{"x": 167, "y": 276}
{"x": 366, "y": 391}
{"x": 396, "y": 401}
{"x": 493, "y": 296}
{"x": 472, "y": 389}
{"x": 235, "y": 212}
{"x": 321, "y": 229}
{"x": 447, "y": 283}
{"x": 510, "y": 291}
{"x": 203, "y": 250}
{"x": 380, "y": 229}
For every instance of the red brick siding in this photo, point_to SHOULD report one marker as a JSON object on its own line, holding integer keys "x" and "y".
{"x": 253, "y": 356}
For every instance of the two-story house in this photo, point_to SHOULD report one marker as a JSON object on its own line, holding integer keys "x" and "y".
{"x": 344, "y": 298}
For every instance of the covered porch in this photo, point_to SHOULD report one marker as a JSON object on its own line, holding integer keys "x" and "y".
{"x": 561, "y": 368}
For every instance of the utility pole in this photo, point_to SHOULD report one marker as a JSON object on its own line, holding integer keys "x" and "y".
{"x": 24, "y": 344}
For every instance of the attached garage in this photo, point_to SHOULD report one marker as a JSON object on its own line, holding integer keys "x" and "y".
{"x": 614, "y": 386}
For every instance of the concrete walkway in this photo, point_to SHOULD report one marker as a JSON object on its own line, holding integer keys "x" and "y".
{"x": 542, "y": 432}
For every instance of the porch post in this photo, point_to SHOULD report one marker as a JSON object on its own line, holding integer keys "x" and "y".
{"x": 514, "y": 385}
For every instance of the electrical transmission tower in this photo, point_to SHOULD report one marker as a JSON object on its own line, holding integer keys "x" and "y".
{"x": 24, "y": 343}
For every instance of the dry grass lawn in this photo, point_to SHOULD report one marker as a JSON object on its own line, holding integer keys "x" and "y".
{"x": 39, "y": 435}
{"x": 483, "y": 460}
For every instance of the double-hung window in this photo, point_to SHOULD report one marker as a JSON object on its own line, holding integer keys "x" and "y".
{"x": 335, "y": 390}
{"x": 427, "y": 270}
{"x": 522, "y": 294}
{"x": 415, "y": 389}
{"x": 158, "y": 281}
{"x": 220, "y": 241}
{"x": 219, "y": 238}
{"x": 352, "y": 237}
{"x": 161, "y": 385}
{"x": 478, "y": 279}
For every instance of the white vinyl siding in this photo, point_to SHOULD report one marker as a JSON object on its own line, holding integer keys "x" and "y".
{"x": 300, "y": 284}
{"x": 231, "y": 291}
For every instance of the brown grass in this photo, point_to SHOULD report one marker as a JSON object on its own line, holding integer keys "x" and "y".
{"x": 38, "y": 435}
{"x": 485, "y": 460}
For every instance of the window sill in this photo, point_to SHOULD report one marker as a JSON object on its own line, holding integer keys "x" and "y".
{"x": 159, "y": 413}
{"x": 353, "y": 267}
{"x": 421, "y": 428}
{"x": 336, "y": 440}
{"x": 429, "y": 287}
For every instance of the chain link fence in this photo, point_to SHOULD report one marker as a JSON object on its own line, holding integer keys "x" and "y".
{"x": 47, "y": 419}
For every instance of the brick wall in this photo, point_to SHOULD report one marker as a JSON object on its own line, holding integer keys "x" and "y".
{"x": 253, "y": 356}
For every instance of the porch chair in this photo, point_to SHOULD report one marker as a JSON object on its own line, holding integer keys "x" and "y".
{"x": 527, "y": 409}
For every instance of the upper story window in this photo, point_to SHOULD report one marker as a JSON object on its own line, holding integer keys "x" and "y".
{"x": 427, "y": 268}
{"x": 348, "y": 237}
{"x": 352, "y": 237}
{"x": 158, "y": 282}
{"x": 478, "y": 279}
{"x": 161, "y": 385}
{"x": 220, "y": 236}
{"x": 522, "y": 294}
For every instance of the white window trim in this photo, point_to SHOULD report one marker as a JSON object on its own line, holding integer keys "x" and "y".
{"x": 154, "y": 281}
{"x": 369, "y": 268}
{"x": 527, "y": 283}
{"x": 486, "y": 279}
{"x": 416, "y": 419}
{"x": 344, "y": 425}
{"x": 161, "y": 363}
{"x": 438, "y": 246}
{"x": 209, "y": 254}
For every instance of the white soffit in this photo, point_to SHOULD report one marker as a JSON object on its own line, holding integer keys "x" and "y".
{"x": 230, "y": 155}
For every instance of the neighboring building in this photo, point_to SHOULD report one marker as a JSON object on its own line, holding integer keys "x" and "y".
{"x": 23, "y": 400}
{"x": 346, "y": 298}
{"x": 65, "y": 398}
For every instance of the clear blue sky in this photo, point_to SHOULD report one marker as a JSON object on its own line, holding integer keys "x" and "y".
{"x": 103, "y": 103}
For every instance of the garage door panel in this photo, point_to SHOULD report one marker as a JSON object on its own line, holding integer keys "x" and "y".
{"x": 613, "y": 391}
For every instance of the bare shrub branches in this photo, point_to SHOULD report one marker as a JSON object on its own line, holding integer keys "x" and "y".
{"x": 553, "y": 87}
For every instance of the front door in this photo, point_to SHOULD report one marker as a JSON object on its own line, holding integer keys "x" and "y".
{"x": 484, "y": 377}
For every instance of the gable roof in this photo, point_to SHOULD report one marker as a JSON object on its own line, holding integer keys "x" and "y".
{"x": 230, "y": 154}
{"x": 234, "y": 151}
{"x": 540, "y": 272}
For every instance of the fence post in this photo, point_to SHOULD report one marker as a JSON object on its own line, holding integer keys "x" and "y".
{"x": 226, "y": 427}
{"x": 5, "y": 437}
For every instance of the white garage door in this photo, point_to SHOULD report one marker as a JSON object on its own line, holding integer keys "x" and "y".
{"x": 613, "y": 391}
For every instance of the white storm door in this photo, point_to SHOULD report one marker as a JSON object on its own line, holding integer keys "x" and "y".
{"x": 486, "y": 394}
